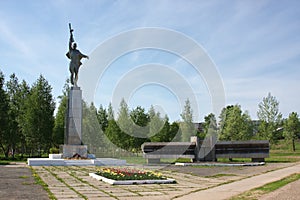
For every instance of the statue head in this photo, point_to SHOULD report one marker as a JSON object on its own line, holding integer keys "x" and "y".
{"x": 74, "y": 45}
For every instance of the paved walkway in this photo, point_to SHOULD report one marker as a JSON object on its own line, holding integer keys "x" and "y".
{"x": 75, "y": 183}
{"x": 289, "y": 192}
{"x": 228, "y": 190}
{"x": 16, "y": 182}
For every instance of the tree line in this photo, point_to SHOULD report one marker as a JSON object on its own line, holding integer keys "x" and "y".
{"x": 28, "y": 125}
{"x": 26, "y": 116}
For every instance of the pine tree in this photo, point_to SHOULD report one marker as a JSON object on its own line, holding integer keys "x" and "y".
{"x": 187, "y": 127}
{"x": 23, "y": 95}
{"x": 13, "y": 92}
{"x": 156, "y": 124}
{"x": 4, "y": 132}
{"x": 39, "y": 120}
{"x": 59, "y": 124}
{"x": 91, "y": 132}
{"x": 110, "y": 112}
{"x": 124, "y": 121}
{"x": 102, "y": 117}
{"x": 60, "y": 117}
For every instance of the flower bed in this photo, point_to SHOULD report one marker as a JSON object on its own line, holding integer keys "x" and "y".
{"x": 129, "y": 176}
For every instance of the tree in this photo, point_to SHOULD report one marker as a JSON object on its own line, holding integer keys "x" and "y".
{"x": 139, "y": 117}
{"x": 235, "y": 125}
{"x": 39, "y": 120}
{"x": 187, "y": 126}
{"x": 270, "y": 119}
{"x": 119, "y": 132}
{"x": 210, "y": 125}
{"x": 174, "y": 132}
{"x": 59, "y": 124}
{"x": 124, "y": 121}
{"x": 115, "y": 134}
{"x": 110, "y": 112}
{"x": 23, "y": 94}
{"x": 140, "y": 128}
{"x": 102, "y": 118}
{"x": 292, "y": 129}
{"x": 4, "y": 133}
{"x": 156, "y": 124}
{"x": 14, "y": 134}
{"x": 91, "y": 132}
{"x": 165, "y": 134}
{"x": 160, "y": 130}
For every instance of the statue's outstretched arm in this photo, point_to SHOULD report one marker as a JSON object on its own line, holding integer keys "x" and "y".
{"x": 85, "y": 56}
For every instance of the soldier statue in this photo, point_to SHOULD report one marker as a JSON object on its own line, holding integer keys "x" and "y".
{"x": 75, "y": 56}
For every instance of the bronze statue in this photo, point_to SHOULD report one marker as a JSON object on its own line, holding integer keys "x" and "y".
{"x": 75, "y": 56}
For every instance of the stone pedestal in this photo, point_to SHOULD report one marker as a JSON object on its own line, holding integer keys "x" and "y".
{"x": 73, "y": 125}
{"x": 74, "y": 117}
{"x": 70, "y": 150}
{"x": 205, "y": 149}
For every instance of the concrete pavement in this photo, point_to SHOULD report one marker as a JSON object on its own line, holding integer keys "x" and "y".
{"x": 228, "y": 190}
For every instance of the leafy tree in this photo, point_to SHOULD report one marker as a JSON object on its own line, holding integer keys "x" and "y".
{"x": 292, "y": 129}
{"x": 139, "y": 117}
{"x": 140, "y": 121}
{"x": 140, "y": 128}
{"x": 102, "y": 118}
{"x": 270, "y": 118}
{"x": 39, "y": 120}
{"x": 4, "y": 133}
{"x": 187, "y": 126}
{"x": 209, "y": 125}
{"x": 235, "y": 125}
{"x": 209, "y": 122}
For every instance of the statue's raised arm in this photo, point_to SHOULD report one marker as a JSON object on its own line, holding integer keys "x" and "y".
{"x": 75, "y": 56}
{"x": 71, "y": 37}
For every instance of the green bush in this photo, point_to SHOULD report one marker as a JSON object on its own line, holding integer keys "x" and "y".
{"x": 54, "y": 150}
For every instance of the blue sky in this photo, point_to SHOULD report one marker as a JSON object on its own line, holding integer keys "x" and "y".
{"x": 255, "y": 46}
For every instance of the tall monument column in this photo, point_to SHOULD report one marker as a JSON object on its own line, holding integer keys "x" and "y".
{"x": 73, "y": 123}
{"x": 73, "y": 126}
{"x": 74, "y": 117}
